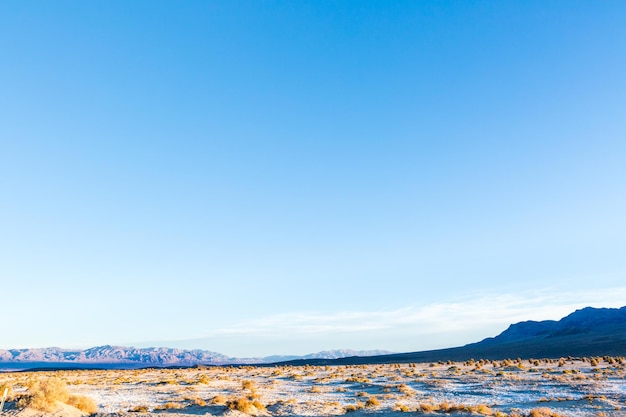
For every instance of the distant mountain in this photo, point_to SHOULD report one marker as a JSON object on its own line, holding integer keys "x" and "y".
{"x": 344, "y": 353}
{"x": 597, "y": 322}
{"x": 114, "y": 355}
{"x": 326, "y": 354}
{"x": 120, "y": 356}
{"x": 586, "y": 332}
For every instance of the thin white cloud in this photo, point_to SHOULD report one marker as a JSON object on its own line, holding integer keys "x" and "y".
{"x": 428, "y": 325}
{"x": 480, "y": 311}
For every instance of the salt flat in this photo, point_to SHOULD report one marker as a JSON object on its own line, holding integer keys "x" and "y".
{"x": 569, "y": 387}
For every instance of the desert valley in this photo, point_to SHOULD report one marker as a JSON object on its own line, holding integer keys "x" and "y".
{"x": 356, "y": 208}
{"x": 138, "y": 382}
{"x": 537, "y": 388}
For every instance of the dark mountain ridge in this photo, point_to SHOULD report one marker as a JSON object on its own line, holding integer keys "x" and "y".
{"x": 585, "y": 321}
{"x": 588, "y": 320}
{"x": 586, "y": 332}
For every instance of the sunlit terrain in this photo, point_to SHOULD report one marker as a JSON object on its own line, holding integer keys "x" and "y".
{"x": 566, "y": 387}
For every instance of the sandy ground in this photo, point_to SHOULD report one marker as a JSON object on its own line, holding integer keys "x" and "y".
{"x": 573, "y": 388}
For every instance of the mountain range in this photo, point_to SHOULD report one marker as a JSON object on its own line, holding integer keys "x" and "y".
{"x": 121, "y": 357}
{"x": 586, "y": 332}
{"x": 113, "y": 354}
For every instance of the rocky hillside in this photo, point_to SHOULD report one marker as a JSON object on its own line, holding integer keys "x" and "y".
{"x": 588, "y": 321}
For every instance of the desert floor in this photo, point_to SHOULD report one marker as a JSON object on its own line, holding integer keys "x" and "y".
{"x": 571, "y": 387}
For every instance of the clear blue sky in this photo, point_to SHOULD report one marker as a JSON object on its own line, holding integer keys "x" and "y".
{"x": 269, "y": 177}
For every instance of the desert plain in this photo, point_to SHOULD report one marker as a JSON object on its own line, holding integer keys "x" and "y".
{"x": 571, "y": 387}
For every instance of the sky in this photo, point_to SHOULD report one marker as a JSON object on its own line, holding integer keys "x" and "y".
{"x": 275, "y": 177}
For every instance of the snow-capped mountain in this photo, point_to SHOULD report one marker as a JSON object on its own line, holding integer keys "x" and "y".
{"x": 326, "y": 354}
{"x": 114, "y": 354}
{"x": 344, "y": 353}
{"x": 157, "y": 356}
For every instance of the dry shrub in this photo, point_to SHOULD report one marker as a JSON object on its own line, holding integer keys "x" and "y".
{"x": 203, "y": 379}
{"x": 139, "y": 409}
{"x": 403, "y": 388}
{"x": 198, "y": 401}
{"x": 354, "y": 407}
{"x": 254, "y": 395}
{"x": 83, "y": 403}
{"x": 44, "y": 395}
{"x": 403, "y": 408}
{"x": 245, "y": 405}
{"x": 258, "y": 405}
{"x": 446, "y": 407}
{"x": 5, "y": 385}
{"x": 219, "y": 400}
{"x": 426, "y": 407}
{"x": 372, "y": 402}
{"x": 482, "y": 409}
{"x": 170, "y": 406}
{"x": 543, "y": 412}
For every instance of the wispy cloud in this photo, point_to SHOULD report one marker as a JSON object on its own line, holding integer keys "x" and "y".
{"x": 476, "y": 311}
{"x": 421, "y": 326}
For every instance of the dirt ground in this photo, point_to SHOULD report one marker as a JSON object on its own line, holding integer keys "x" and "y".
{"x": 537, "y": 388}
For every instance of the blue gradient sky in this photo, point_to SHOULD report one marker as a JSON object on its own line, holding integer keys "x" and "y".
{"x": 273, "y": 177}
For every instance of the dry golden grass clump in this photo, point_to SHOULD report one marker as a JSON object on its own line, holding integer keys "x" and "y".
{"x": 536, "y": 412}
{"x": 170, "y": 406}
{"x": 372, "y": 402}
{"x": 354, "y": 407}
{"x": 219, "y": 400}
{"x": 315, "y": 389}
{"x": 44, "y": 395}
{"x": 482, "y": 409}
{"x": 544, "y": 412}
{"x": 446, "y": 407}
{"x": 359, "y": 379}
{"x": 196, "y": 401}
{"x": 139, "y": 409}
{"x": 247, "y": 384}
{"x": 403, "y": 408}
{"x": 405, "y": 389}
{"x": 203, "y": 379}
{"x": 245, "y": 405}
{"x": 83, "y": 403}
{"x": 5, "y": 385}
